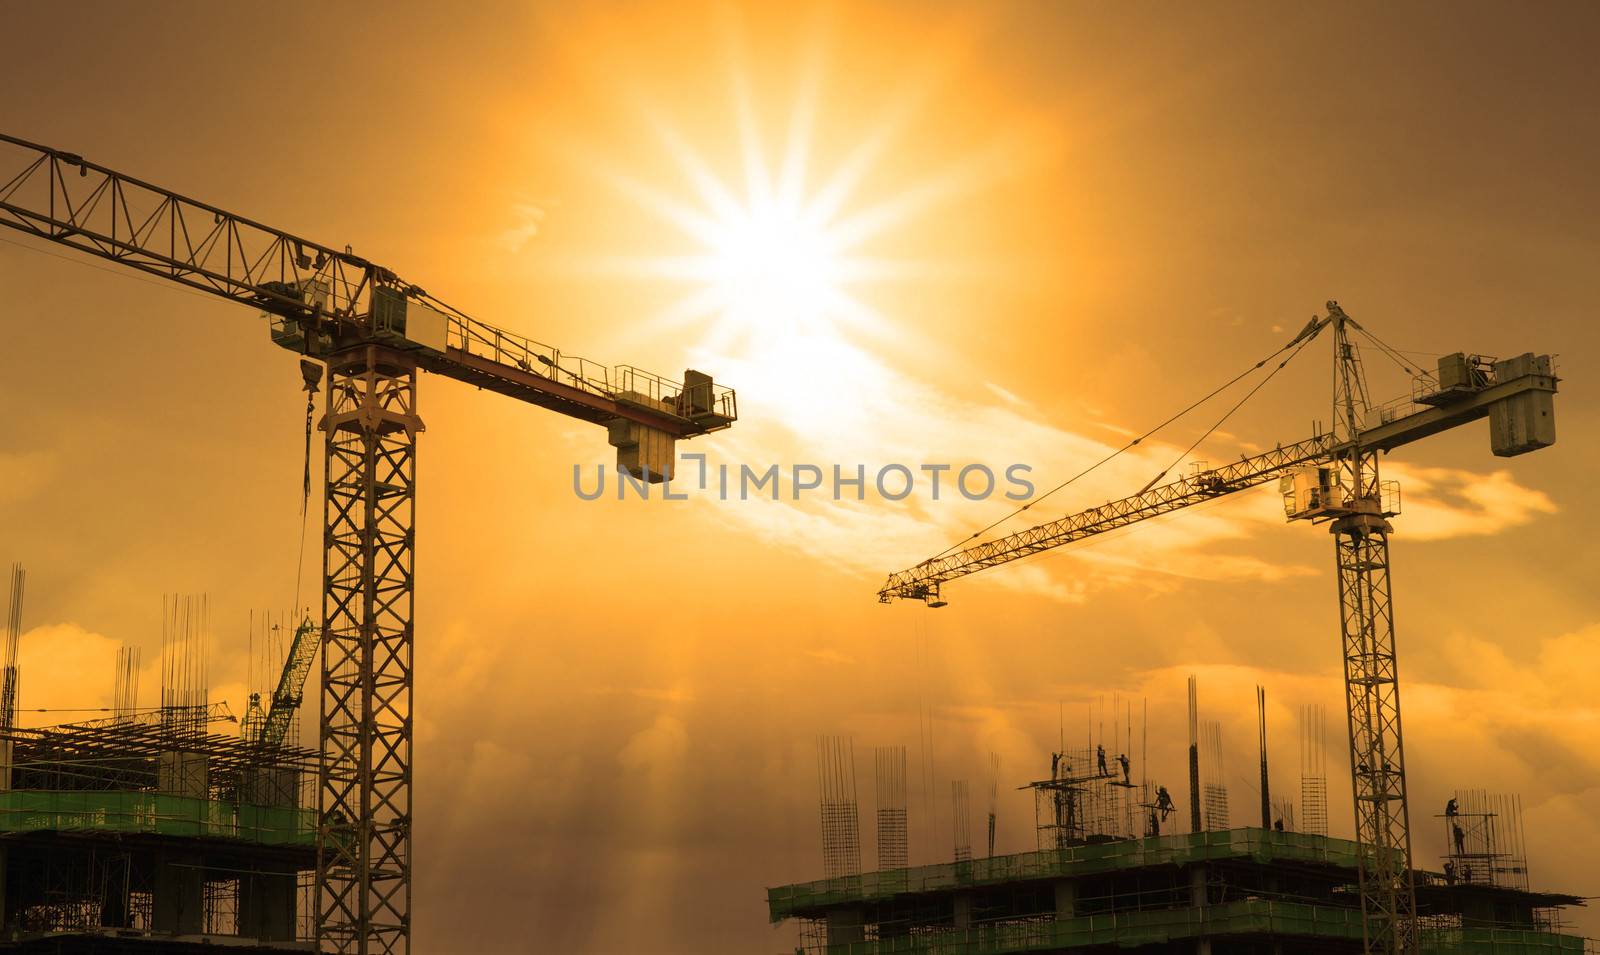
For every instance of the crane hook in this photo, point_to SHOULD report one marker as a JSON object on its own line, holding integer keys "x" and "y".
{"x": 312, "y": 373}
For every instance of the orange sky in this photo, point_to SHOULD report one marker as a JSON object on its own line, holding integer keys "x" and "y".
{"x": 1063, "y": 223}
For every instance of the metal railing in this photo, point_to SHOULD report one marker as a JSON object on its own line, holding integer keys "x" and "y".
{"x": 616, "y": 382}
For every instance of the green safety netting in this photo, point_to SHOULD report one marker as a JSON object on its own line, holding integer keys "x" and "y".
{"x": 1248, "y": 917}
{"x": 41, "y": 811}
{"x": 1260, "y": 845}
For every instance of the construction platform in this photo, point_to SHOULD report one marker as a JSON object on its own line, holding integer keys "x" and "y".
{"x": 148, "y": 834}
{"x": 1235, "y": 891}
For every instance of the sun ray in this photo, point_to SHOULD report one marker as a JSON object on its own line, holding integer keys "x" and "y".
{"x": 802, "y": 122}
{"x": 698, "y": 223}
{"x": 963, "y": 176}
{"x": 713, "y": 192}
{"x": 932, "y": 74}
{"x": 758, "y": 185}
{"x": 780, "y": 259}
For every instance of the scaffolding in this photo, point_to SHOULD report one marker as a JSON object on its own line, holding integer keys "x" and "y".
{"x": 1260, "y": 888}
{"x": 141, "y": 822}
{"x": 147, "y": 826}
{"x": 1081, "y": 802}
{"x": 1105, "y": 876}
{"x": 1484, "y": 840}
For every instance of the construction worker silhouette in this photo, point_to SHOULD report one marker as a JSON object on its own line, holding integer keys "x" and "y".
{"x": 1164, "y": 802}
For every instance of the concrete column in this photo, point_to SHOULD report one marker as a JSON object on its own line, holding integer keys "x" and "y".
{"x": 179, "y": 897}
{"x": 963, "y": 911}
{"x": 114, "y": 910}
{"x": 1066, "y": 899}
{"x": 267, "y": 906}
{"x": 183, "y": 774}
{"x": 1197, "y": 899}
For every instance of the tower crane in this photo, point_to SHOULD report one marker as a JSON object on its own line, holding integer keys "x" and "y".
{"x": 373, "y": 332}
{"x": 1331, "y": 478}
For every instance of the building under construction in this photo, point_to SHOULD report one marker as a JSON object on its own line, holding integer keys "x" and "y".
{"x": 144, "y": 830}
{"x": 1247, "y": 890}
{"x": 1117, "y": 868}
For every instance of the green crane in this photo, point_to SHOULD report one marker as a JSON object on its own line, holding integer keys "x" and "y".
{"x": 271, "y": 726}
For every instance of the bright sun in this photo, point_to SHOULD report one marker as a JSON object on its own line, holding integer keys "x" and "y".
{"x": 783, "y": 256}
{"x": 773, "y": 254}
{"x": 773, "y": 258}
{"x": 773, "y": 264}
{"x": 768, "y": 260}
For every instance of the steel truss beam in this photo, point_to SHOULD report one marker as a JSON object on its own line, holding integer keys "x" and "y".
{"x": 922, "y": 581}
{"x": 364, "y": 799}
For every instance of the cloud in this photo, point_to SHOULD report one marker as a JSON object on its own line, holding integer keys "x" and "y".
{"x": 1442, "y": 503}
{"x": 1509, "y": 722}
{"x": 858, "y": 394}
{"x": 64, "y": 665}
{"x": 657, "y": 752}
{"x": 678, "y": 693}
{"x": 1006, "y": 395}
{"x": 529, "y": 218}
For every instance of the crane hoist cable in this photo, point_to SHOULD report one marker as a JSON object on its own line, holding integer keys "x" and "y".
{"x": 1310, "y": 331}
{"x": 1229, "y": 413}
{"x": 311, "y": 377}
{"x": 1392, "y": 354}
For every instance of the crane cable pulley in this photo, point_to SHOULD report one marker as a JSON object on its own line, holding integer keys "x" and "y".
{"x": 1303, "y": 338}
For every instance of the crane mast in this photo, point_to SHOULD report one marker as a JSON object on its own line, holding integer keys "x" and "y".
{"x": 1331, "y": 478}
{"x": 1360, "y": 528}
{"x": 374, "y": 332}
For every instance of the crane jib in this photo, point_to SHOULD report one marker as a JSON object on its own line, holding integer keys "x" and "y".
{"x": 1525, "y": 376}
{"x": 325, "y": 300}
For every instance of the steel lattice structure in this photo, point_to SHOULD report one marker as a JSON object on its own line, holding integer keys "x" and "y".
{"x": 374, "y": 331}
{"x": 922, "y": 581}
{"x": 1377, "y": 754}
{"x": 364, "y": 879}
{"x": 1331, "y": 478}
